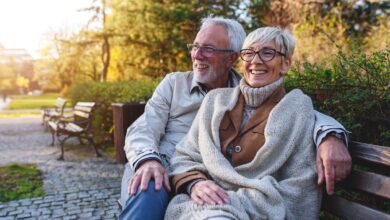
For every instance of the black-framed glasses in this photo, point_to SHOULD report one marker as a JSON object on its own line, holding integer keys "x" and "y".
{"x": 206, "y": 51}
{"x": 265, "y": 55}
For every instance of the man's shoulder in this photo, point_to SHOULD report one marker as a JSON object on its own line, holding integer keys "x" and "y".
{"x": 180, "y": 75}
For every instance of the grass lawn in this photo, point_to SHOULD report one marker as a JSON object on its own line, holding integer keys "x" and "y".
{"x": 32, "y": 102}
{"x": 20, "y": 114}
{"x": 19, "y": 182}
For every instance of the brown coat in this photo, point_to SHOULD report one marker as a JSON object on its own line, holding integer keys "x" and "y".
{"x": 246, "y": 142}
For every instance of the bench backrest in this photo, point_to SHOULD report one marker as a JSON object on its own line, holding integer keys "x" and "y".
{"x": 82, "y": 112}
{"x": 60, "y": 105}
{"x": 368, "y": 185}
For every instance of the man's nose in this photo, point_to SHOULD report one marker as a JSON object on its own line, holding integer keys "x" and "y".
{"x": 197, "y": 54}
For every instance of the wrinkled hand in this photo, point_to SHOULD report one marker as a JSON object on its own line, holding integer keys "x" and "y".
{"x": 333, "y": 162}
{"x": 206, "y": 191}
{"x": 147, "y": 171}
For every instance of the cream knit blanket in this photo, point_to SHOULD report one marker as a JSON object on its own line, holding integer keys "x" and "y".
{"x": 279, "y": 183}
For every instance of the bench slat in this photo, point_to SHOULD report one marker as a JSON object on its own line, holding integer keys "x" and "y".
{"x": 83, "y": 108}
{"x": 81, "y": 114}
{"x": 369, "y": 182}
{"x": 86, "y": 104}
{"x": 60, "y": 102}
{"x": 370, "y": 152}
{"x": 351, "y": 210}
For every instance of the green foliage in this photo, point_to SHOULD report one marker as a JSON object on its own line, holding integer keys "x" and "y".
{"x": 104, "y": 94}
{"x": 19, "y": 182}
{"x": 354, "y": 89}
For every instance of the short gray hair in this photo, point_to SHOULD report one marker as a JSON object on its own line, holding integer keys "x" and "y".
{"x": 283, "y": 39}
{"x": 236, "y": 32}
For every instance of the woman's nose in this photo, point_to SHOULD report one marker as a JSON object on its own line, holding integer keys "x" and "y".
{"x": 257, "y": 59}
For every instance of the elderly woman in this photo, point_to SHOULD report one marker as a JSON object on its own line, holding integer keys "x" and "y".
{"x": 249, "y": 153}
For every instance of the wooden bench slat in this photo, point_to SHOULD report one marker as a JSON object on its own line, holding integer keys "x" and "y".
{"x": 81, "y": 114}
{"x": 370, "y": 152}
{"x": 60, "y": 102}
{"x": 86, "y": 104}
{"x": 369, "y": 182}
{"x": 351, "y": 210}
{"x": 83, "y": 108}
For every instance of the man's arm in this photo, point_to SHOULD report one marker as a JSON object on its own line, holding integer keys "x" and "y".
{"x": 143, "y": 138}
{"x": 333, "y": 160}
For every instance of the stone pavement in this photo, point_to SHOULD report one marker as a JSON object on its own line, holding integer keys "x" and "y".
{"x": 81, "y": 187}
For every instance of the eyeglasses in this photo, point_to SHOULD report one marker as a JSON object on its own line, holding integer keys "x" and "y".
{"x": 265, "y": 55}
{"x": 206, "y": 51}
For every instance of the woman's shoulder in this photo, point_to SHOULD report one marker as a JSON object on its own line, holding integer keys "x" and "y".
{"x": 297, "y": 97}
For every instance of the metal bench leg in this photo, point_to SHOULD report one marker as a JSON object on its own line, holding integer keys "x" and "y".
{"x": 62, "y": 142}
{"x": 62, "y": 151}
{"x": 52, "y": 137}
{"x": 94, "y": 146}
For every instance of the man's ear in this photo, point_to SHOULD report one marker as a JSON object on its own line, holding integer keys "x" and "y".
{"x": 286, "y": 64}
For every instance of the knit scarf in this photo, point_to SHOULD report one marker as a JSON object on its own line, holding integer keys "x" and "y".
{"x": 254, "y": 97}
{"x": 279, "y": 183}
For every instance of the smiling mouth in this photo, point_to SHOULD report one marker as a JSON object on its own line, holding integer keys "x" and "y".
{"x": 201, "y": 66}
{"x": 258, "y": 72}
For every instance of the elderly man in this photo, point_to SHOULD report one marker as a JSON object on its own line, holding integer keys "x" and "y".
{"x": 151, "y": 140}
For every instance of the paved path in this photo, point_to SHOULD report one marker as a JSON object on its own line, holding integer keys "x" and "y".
{"x": 81, "y": 187}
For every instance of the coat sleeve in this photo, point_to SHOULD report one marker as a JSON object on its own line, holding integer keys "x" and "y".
{"x": 143, "y": 136}
{"x": 325, "y": 124}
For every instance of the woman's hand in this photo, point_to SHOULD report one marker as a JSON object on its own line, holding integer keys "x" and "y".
{"x": 206, "y": 191}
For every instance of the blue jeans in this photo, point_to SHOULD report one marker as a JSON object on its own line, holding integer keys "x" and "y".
{"x": 150, "y": 204}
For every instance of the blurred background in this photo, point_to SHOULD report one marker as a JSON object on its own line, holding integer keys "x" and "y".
{"x": 118, "y": 50}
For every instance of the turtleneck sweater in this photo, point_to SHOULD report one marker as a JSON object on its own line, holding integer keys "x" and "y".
{"x": 254, "y": 97}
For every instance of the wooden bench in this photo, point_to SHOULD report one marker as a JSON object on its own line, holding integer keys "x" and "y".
{"x": 365, "y": 193}
{"x": 54, "y": 113}
{"x": 79, "y": 127}
{"x": 367, "y": 184}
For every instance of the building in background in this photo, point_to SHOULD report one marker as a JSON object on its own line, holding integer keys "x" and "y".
{"x": 16, "y": 70}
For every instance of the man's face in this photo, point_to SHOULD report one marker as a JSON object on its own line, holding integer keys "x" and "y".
{"x": 212, "y": 69}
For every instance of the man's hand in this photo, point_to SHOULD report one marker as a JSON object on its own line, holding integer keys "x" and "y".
{"x": 149, "y": 169}
{"x": 206, "y": 191}
{"x": 333, "y": 162}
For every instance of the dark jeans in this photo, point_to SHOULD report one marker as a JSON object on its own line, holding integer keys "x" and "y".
{"x": 150, "y": 204}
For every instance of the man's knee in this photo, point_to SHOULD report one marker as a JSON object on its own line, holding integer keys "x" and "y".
{"x": 152, "y": 195}
{"x": 137, "y": 206}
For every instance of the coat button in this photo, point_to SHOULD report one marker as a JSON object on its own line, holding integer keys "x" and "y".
{"x": 237, "y": 149}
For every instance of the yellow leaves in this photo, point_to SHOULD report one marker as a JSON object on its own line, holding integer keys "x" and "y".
{"x": 22, "y": 82}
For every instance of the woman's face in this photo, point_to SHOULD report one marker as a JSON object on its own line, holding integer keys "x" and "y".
{"x": 258, "y": 73}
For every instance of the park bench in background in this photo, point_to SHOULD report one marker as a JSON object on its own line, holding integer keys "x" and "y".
{"x": 54, "y": 113}
{"x": 364, "y": 194}
{"x": 79, "y": 127}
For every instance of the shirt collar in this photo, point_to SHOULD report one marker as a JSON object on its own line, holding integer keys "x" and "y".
{"x": 233, "y": 81}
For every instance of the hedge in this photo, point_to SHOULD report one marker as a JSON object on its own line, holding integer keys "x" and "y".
{"x": 354, "y": 89}
{"x": 104, "y": 94}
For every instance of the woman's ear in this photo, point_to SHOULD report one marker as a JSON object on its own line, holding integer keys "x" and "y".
{"x": 286, "y": 64}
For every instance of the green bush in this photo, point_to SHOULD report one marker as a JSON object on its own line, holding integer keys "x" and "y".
{"x": 104, "y": 94}
{"x": 354, "y": 90}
